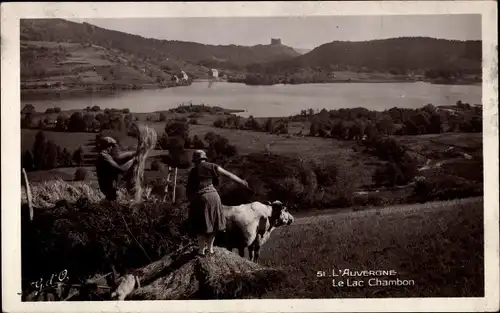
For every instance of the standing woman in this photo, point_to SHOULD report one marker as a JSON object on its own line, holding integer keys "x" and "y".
{"x": 205, "y": 213}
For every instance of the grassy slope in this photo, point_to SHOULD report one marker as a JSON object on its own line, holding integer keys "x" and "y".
{"x": 438, "y": 245}
{"x": 80, "y": 66}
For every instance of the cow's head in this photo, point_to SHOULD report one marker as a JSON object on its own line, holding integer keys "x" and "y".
{"x": 279, "y": 214}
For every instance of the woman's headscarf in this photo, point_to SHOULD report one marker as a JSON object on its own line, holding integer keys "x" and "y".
{"x": 199, "y": 155}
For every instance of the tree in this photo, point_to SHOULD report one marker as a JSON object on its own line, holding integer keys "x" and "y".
{"x": 28, "y": 109}
{"x": 41, "y": 124}
{"x": 80, "y": 174}
{"x": 281, "y": 128}
{"x": 39, "y": 150}
{"x": 77, "y": 157}
{"x": 435, "y": 124}
{"x": 62, "y": 123}
{"x": 177, "y": 129}
{"x": 88, "y": 119}
{"x": 64, "y": 158}
{"x": 27, "y": 161}
{"x": 197, "y": 142}
{"x": 27, "y": 121}
{"x": 219, "y": 147}
{"x": 76, "y": 123}
{"x": 387, "y": 175}
{"x": 314, "y": 128}
{"x": 116, "y": 122}
{"x": 269, "y": 125}
{"x": 52, "y": 155}
{"x": 252, "y": 124}
{"x": 410, "y": 128}
{"x": 337, "y": 130}
{"x": 163, "y": 117}
{"x": 385, "y": 125}
{"x": 156, "y": 166}
{"x": 219, "y": 123}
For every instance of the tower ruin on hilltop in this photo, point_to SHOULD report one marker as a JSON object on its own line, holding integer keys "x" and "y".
{"x": 275, "y": 41}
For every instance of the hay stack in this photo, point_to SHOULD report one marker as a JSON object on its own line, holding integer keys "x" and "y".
{"x": 224, "y": 275}
{"x": 146, "y": 142}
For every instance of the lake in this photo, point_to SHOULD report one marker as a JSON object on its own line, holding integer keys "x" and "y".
{"x": 278, "y": 100}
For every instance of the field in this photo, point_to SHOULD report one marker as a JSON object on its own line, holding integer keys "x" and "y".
{"x": 438, "y": 245}
{"x": 347, "y": 155}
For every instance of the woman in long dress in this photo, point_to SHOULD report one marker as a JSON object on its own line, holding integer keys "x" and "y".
{"x": 205, "y": 214}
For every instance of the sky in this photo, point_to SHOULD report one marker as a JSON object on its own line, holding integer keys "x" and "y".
{"x": 299, "y": 32}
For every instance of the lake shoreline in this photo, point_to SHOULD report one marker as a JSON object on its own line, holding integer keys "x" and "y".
{"x": 101, "y": 90}
{"x": 59, "y": 94}
{"x": 263, "y": 101}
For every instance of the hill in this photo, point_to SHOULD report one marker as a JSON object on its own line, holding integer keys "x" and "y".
{"x": 69, "y": 68}
{"x": 408, "y": 57}
{"x": 95, "y": 46}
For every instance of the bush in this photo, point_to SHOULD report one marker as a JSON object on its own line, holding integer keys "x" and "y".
{"x": 195, "y": 115}
{"x": 219, "y": 123}
{"x": 95, "y": 108}
{"x": 326, "y": 174}
{"x": 271, "y": 177}
{"x": 81, "y": 174}
{"x": 157, "y": 166}
{"x": 175, "y": 128}
{"x": 445, "y": 187}
{"x": 219, "y": 148}
{"x": 197, "y": 143}
{"x": 193, "y": 121}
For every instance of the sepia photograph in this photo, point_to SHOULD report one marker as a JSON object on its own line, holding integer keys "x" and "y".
{"x": 334, "y": 156}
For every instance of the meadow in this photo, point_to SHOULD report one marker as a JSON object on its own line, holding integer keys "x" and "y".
{"x": 438, "y": 245}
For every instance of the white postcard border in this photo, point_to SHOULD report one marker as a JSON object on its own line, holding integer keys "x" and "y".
{"x": 11, "y": 182}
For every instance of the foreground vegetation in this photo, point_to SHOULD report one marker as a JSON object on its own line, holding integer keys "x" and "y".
{"x": 434, "y": 244}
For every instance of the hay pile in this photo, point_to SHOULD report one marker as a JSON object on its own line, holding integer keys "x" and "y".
{"x": 146, "y": 142}
{"x": 181, "y": 275}
{"x": 186, "y": 276}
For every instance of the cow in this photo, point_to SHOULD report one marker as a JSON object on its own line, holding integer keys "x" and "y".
{"x": 250, "y": 225}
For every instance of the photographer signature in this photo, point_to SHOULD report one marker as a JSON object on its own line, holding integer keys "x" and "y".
{"x": 41, "y": 284}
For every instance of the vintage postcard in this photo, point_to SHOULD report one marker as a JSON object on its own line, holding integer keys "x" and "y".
{"x": 250, "y": 156}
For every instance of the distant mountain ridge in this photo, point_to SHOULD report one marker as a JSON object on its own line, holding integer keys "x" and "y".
{"x": 395, "y": 54}
{"x": 86, "y": 54}
{"x": 229, "y": 56}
